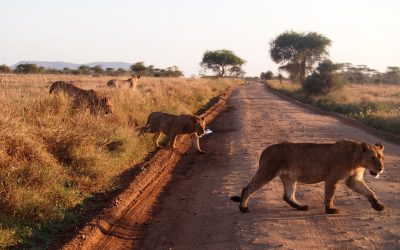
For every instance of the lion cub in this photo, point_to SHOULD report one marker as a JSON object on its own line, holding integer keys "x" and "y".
{"x": 173, "y": 125}
{"x": 312, "y": 163}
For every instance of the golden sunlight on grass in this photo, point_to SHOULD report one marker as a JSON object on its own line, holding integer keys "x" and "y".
{"x": 53, "y": 157}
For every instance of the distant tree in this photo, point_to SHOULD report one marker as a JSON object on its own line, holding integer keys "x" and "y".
{"x": 267, "y": 75}
{"x": 41, "y": 70}
{"x": 97, "y": 70}
{"x": 139, "y": 68}
{"x": 221, "y": 61}
{"x": 120, "y": 71}
{"x": 280, "y": 77}
{"x": 392, "y": 74}
{"x": 299, "y": 52}
{"x": 110, "y": 71}
{"x": 4, "y": 69}
{"x": 27, "y": 68}
{"x": 84, "y": 70}
{"x": 324, "y": 79}
{"x": 66, "y": 70}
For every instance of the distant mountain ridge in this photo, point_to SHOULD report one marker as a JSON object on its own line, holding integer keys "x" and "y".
{"x": 61, "y": 65}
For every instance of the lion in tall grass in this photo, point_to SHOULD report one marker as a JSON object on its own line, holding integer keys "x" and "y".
{"x": 314, "y": 162}
{"x": 174, "y": 125}
{"x": 131, "y": 82}
{"x": 83, "y": 98}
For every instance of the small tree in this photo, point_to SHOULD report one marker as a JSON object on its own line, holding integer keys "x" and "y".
{"x": 280, "y": 77}
{"x": 98, "y": 69}
{"x": 110, "y": 71}
{"x": 221, "y": 61}
{"x": 392, "y": 75}
{"x": 267, "y": 75}
{"x": 324, "y": 79}
{"x": 237, "y": 71}
{"x": 4, "y": 69}
{"x": 120, "y": 71}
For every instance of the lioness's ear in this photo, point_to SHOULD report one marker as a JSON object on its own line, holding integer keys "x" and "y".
{"x": 364, "y": 147}
{"x": 380, "y": 146}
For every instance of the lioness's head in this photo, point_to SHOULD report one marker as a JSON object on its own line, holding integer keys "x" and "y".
{"x": 106, "y": 105}
{"x": 372, "y": 158}
{"x": 199, "y": 125}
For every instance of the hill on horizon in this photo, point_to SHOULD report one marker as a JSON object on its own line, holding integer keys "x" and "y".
{"x": 61, "y": 65}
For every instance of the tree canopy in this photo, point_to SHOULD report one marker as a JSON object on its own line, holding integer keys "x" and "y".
{"x": 298, "y": 52}
{"x": 221, "y": 61}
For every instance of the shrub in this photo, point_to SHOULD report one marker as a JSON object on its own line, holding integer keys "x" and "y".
{"x": 323, "y": 80}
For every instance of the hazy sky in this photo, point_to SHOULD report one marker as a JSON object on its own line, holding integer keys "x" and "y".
{"x": 177, "y": 32}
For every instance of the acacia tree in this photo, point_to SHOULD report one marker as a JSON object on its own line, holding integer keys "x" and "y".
{"x": 298, "y": 52}
{"x": 221, "y": 61}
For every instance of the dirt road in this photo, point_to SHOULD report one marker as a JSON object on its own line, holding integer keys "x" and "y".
{"x": 194, "y": 211}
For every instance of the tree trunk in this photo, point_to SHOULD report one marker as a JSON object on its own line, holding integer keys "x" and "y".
{"x": 302, "y": 71}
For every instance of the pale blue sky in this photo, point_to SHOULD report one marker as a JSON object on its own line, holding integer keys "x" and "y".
{"x": 177, "y": 32}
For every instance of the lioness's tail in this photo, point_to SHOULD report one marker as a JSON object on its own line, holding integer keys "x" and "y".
{"x": 236, "y": 198}
{"x": 143, "y": 130}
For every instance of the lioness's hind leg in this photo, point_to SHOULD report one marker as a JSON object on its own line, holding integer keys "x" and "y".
{"x": 255, "y": 184}
{"x": 289, "y": 195}
{"x": 157, "y": 137}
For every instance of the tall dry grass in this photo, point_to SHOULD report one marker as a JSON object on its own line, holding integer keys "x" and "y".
{"x": 53, "y": 157}
{"x": 376, "y": 105}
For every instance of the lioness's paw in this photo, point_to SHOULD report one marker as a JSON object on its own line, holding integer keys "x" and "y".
{"x": 331, "y": 210}
{"x": 244, "y": 209}
{"x": 303, "y": 208}
{"x": 378, "y": 206}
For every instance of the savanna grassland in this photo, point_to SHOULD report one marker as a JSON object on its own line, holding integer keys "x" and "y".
{"x": 53, "y": 158}
{"x": 377, "y": 105}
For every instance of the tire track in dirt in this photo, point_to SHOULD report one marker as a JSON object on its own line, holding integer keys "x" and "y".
{"x": 120, "y": 224}
{"x": 194, "y": 210}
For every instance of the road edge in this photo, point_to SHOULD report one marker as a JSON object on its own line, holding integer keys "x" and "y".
{"x": 348, "y": 121}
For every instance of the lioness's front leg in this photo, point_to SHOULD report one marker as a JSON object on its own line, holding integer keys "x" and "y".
{"x": 357, "y": 184}
{"x": 330, "y": 187}
{"x": 196, "y": 144}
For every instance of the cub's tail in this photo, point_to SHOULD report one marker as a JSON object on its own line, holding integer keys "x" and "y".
{"x": 236, "y": 198}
